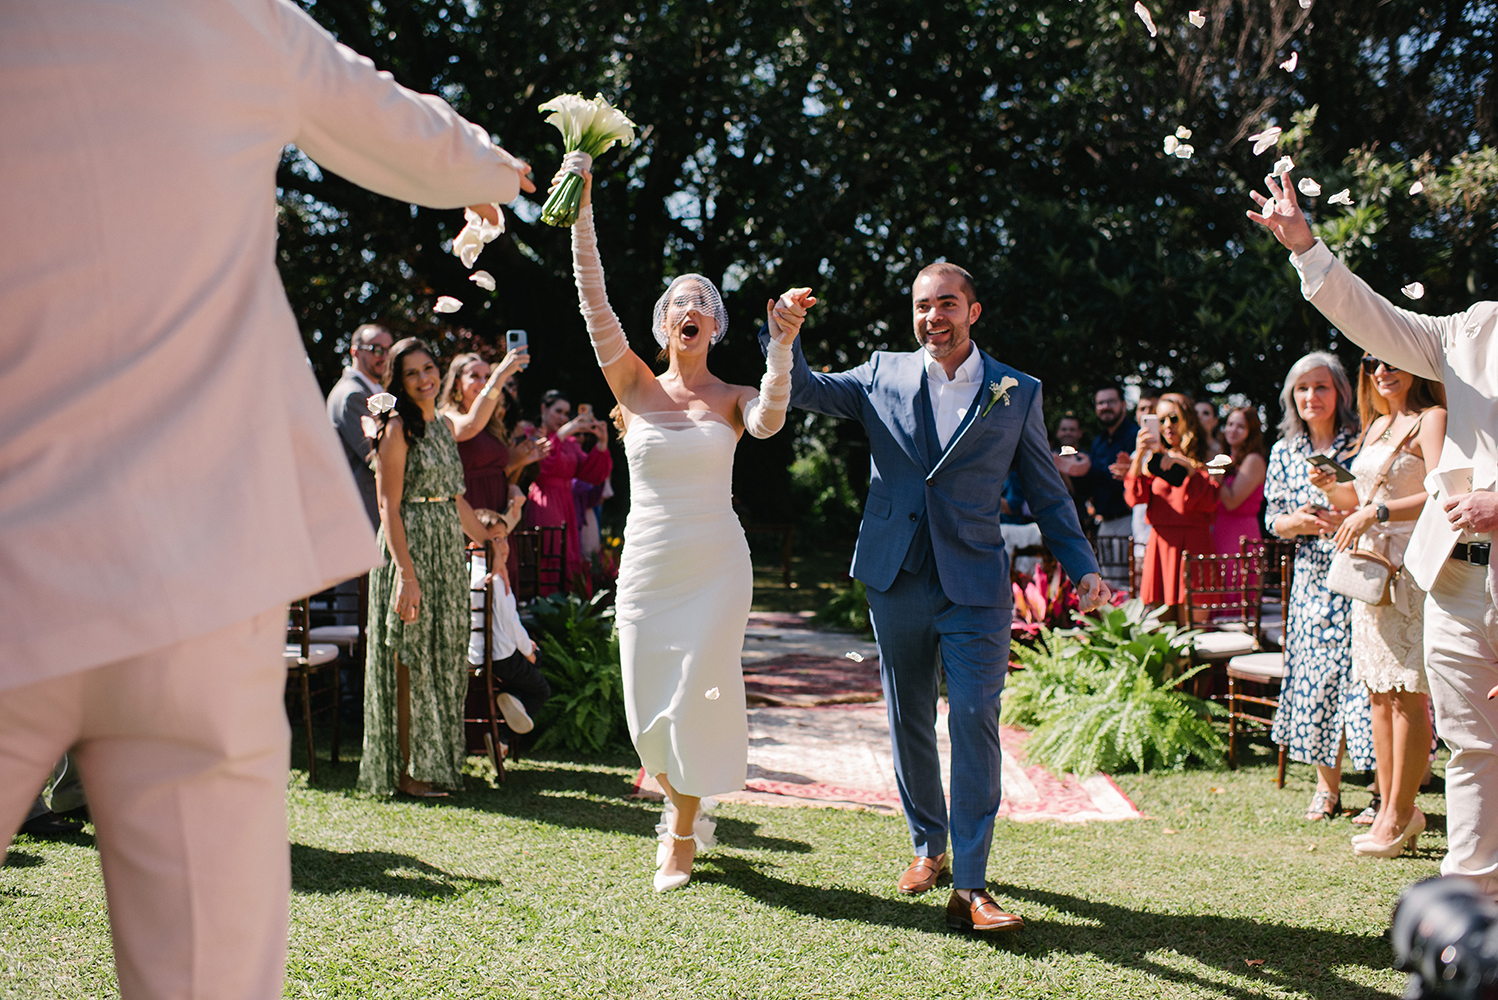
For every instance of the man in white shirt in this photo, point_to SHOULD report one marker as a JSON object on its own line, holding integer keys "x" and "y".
{"x": 1448, "y": 555}
{"x": 348, "y": 406}
{"x": 159, "y": 421}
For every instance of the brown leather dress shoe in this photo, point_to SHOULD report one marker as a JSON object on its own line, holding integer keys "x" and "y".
{"x": 981, "y": 914}
{"x": 922, "y": 874}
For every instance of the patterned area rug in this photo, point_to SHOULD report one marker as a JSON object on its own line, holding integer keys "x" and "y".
{"x": 802, "y": 680}
{"x": 839, "y": 756}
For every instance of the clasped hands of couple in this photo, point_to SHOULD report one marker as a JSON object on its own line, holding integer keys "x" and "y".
{"x": 1475, "y": 512}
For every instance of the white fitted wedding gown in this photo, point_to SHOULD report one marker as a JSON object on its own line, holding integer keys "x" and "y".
{"x": 685, "y": 585}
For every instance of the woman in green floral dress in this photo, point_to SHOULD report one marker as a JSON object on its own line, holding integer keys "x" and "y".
{"x": 416, "y": 670}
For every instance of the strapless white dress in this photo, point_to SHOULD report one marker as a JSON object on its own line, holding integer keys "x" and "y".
{"x": 685, "y": 586}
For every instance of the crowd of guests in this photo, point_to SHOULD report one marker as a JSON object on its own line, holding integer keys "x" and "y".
{"x": 447, "y": 474}
{"x": 1181, "y": 479}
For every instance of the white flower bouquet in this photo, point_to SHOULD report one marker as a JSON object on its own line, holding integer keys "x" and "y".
{"x": 587, "y": 127}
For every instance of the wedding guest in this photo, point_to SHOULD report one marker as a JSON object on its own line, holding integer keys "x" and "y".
{"x": 1212, "y": 435}
{"x": 1169, "y": 478}
{"x": 1111, "y": 447}
{"x": 1240, "y": 498}
{"x": 415, "y": 678}
{"x": 1072, "y": 463}
{"x": 348, "y": 407}
{"x": 551, "y": 496}
{"x": 511, "y": 648}
{"x": 1322, "y": 710}
{"x": 1139, "y": 526}
{"x": 1404, "y": 423}
{"x": 195, "y": 437}
{"x": 472, "y": 399}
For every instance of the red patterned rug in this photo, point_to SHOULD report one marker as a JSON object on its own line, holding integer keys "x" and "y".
{"x": 801, "y": 680}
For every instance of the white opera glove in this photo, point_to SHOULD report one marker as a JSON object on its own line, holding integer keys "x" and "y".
{"x": 604, "y": 329}
{"x": 764, "y": 414}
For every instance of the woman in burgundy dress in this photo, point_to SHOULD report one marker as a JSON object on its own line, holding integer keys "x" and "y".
{"x": 473, "y": 400}
{"x": 1168, "y": 473}
{"x": 551, "y": 497}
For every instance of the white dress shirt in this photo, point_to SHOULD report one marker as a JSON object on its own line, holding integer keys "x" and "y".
{"x": 952, "y": 398}
{"x": 167, "y": 467}
{"x": 508, "y": 635}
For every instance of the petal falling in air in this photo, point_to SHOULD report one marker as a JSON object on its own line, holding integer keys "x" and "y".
{"x": 447, "y": 304}
{"x": 1144, "y": 15}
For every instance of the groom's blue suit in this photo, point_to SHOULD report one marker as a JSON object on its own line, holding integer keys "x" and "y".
{"x": 932, "y": 557}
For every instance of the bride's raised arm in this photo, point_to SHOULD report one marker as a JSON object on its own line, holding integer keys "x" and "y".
{"x": 623, "y": 369}
{"x": 764, "y": 413}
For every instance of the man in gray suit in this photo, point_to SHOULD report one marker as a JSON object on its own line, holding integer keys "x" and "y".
{"x": 946, "y": 424}
{"x": 348, "y": 405}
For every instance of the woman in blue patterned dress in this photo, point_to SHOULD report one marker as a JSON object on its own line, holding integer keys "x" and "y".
{"x": 1323, "y": 712}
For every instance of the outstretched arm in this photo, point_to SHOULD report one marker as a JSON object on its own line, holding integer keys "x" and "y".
{"x": 764, "y": 414}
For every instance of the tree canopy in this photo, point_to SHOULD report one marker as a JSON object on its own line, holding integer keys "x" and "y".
{"x": 846, "y": 145}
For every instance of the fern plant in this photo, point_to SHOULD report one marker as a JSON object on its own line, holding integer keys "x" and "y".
{"x": 580, "y": 658}
{"x": 1109, "y": 697}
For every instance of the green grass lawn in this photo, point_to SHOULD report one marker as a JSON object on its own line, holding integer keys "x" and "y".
{"x": 541, "y": 888}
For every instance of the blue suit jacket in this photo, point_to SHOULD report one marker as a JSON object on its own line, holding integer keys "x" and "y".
{"x": 958, "y": 489}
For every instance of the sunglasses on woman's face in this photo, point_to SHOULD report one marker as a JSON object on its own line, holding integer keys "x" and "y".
{"x": 1171, "y": 418}
{"x": 1370, "y": 365}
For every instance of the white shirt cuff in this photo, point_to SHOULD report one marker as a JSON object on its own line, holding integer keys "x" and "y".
{"x": 1313, "y": 265}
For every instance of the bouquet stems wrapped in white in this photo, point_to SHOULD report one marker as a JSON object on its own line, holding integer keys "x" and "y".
{"x": 588, "y": 127}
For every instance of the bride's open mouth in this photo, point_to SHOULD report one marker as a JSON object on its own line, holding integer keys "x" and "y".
{"x": 688, "y": 331}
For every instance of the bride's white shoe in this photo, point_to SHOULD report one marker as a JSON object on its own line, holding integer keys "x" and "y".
{"x": 703, "y": 832}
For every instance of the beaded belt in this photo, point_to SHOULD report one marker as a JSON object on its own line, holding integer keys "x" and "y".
{"x": 1475, "y": 553}
{"x": 428, "y": 499}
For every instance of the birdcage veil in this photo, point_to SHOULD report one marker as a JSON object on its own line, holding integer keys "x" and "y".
{"x": 690, "y": 289}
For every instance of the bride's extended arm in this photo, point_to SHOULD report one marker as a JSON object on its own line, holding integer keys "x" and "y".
{"x": 622, "y": 368}
{"x": 764, "y": 414}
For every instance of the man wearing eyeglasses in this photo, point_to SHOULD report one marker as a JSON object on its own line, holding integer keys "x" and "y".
{"x": 348, "y": 406}
{"x": 1449, "y": 555}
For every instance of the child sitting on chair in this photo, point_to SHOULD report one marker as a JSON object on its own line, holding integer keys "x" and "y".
{"x": 510, "y": 646}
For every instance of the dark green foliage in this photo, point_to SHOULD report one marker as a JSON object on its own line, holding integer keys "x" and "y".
{"x": 580, "y": 658}
{"x": 849, "y": 610}
{"x": 1108, "y": 697}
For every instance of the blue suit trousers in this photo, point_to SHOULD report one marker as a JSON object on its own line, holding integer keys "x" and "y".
{"x": 920, "y": 631}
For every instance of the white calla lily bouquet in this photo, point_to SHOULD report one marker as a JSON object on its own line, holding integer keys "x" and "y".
{"x": 589, "y": 127}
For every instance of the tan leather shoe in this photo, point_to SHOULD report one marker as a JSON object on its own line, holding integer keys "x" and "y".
{"x": 980, "y": 914}
{"x": 922, "y": 874}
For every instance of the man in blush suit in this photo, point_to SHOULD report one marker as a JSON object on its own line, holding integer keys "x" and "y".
{"x": 946, "y": 424}
{"x": 348, "y": 406}
{"x": 159, "y": 421}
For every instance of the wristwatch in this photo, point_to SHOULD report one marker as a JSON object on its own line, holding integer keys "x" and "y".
{"x": 1381, "y": 514}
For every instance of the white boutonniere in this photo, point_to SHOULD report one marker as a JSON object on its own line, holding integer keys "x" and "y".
{"x": 381, "y": 402}
{"x": 1000, "y": 390}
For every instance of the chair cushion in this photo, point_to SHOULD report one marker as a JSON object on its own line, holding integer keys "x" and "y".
{"x": 1267, "y": 666}
{"x": 338, "y": 635}
{"x": 1219, "y": 645}
{"x": 318, "y": 653}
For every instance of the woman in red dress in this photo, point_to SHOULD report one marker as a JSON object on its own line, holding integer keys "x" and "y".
{"x": 1168, "y": 473}
{"x": 551, "y": 497}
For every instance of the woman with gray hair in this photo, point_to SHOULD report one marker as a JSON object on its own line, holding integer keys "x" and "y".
{"x": 1323, "y": 713}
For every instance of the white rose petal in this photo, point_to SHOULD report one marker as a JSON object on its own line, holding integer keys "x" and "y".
{"x": 1067, "y": 449}
{"x": 1220, "y": 462}
{"x": 712, "y": 694}
{"x": 1417, "y": 187}
{"x": 483, "y": 279}
{"x": 1171, "y": 142}
{"x": 855, "y": 657}
{"x": 1342, "y": 197}
{"x": 1185, "y": 150}
{"x": 1144, "y": 15}
{"x": 1414, "y": 290}
{"x": 1197, "y": 18}
{"x": 1305, "y": 4}
{"x": 1289, "y": 64}
{"x": 1265, "y": 139}
{"x": 447, "y": 304}
{"x": 1308, "y": 187}
{"x": 1282, "y": 166}
{"x": 476, "y": 234}
{"x": 1182, "y": 132}
{"x": 381, "y": 402}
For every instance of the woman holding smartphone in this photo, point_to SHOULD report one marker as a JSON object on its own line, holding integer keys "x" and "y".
{"x": 1405, "y": 423}
{"x": 1169, "y": 474}
{"x": 1323, "y": 713}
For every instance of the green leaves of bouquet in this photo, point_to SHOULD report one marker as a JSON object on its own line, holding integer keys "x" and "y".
{"x": 1108, "y": 697}
{"x": 590, "y": 127}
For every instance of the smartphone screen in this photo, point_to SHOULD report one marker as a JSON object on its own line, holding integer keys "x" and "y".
{"x": 1322, "y": 462}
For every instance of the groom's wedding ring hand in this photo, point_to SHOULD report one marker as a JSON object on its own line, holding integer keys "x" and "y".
{"x": 1092, "y": 593}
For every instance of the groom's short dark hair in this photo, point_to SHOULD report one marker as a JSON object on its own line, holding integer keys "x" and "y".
{"x": 948, "y": 269}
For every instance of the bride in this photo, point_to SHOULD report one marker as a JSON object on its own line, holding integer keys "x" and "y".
{"x": 685, "y": 581}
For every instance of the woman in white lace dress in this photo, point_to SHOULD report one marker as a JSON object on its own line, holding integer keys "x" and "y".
{"x": 1404, "y": 416}
{"x": 685, "y": 581}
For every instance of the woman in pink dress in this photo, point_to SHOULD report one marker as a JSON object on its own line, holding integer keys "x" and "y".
{"x": 1241, "y": 495}
{"x": 551, "y": 498}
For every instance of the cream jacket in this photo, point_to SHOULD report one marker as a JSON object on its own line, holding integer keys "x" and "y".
{"x": 166, "y": 465}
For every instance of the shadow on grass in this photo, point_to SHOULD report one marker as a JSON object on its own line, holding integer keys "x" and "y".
{"x": 1295, "y": 958}
{"x": 317, "y": 870}
{"x": 20, "y": 859}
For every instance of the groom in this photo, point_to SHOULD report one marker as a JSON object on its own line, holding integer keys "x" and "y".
{"x": 946, "y": 424}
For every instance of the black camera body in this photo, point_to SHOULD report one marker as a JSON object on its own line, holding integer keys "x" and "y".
{"x": 1445, "y": 935}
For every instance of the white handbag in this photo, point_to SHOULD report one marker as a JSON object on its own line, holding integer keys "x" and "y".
{"x": 1368, "y": 576}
